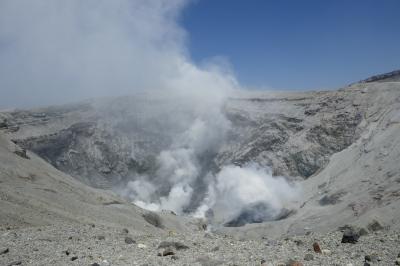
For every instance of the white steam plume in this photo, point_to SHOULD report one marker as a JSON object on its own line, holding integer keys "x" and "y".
{"x": 250, "y": 188}
{"x": 53, "y": 51}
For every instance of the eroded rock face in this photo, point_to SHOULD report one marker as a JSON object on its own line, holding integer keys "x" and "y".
{"x": 296, "y": 134}
{"x": 279, "y": 132}
{"x": 104, "y": 144}
{"x": 390, "y": 76}
{"x": 85, "y": 151}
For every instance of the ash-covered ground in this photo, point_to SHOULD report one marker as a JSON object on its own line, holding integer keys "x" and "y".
{"x": 287, "y": 170}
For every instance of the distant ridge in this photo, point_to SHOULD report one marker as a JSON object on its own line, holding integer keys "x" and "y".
{"x": 390, "y": 76}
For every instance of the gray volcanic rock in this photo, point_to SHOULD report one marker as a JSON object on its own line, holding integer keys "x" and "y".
{"x": 341, "y": 146}
{"x": 338, "y": 144}
{"x": 294, "y": 133}
{"x": 390, "y": 76}
{"x": 103, "y": 143}
{"x": 33, "y": 193}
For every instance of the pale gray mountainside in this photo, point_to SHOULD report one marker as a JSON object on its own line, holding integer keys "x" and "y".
{"x": 105, "y": 141}
{"x": 359, "y": 184}
{"x": 33, "y": 193}
{"x": 342, "y": 146}
{"x": 320, "y": 137}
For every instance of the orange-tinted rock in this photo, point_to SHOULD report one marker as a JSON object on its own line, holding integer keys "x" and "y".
{"x": 317, "y": 248}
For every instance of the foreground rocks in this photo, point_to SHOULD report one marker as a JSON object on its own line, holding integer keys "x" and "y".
{"x": 350, "y": 235}
{"x": 360, "y": 183}
{"x": 73, "y": 244}
{"x": 169, "y": 248}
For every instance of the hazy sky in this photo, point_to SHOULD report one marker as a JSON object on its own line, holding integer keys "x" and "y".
{"x": 56, "y": 51}
{"x": 293, "y": 44}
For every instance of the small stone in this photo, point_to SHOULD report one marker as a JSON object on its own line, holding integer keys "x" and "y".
{"x": 207, "y": 261}
{"x": 271, "y": 243}
{"x": 4, "y": 251}
{"x": 142, "y": 246}
{"x": 326, "y": 252}
{"x": 101, "y": 237}
{"x": 174, "y": 257}
{"x": 354, "y": 255}
{"x": 293, "y": 263}
{"x": 215, "y": 248}
{"x": 74, "y": 258}
{"x": 372, "y": 258}
{"x": 374, "y": 226}
{"x": 171, "y": 244}
{"x": 350, "y": 236}
{"x": 208, "y": 235}
{"x": 129, "y": 240}
{"x": 153, "y": 219}
{"x": 22, "y": 153}
{"x": 308, "y": 257}
{"x": 125, "y": 231}
{"x": 3, "y": 123}
{"x": 363, "y": 232}
{"x": 298, "y": 242}
{"x": 95, "y": 264}
{"x": 317, "y": 248}
{"x": 166, "y": 252}
{"x": 18, "y": 262}
{"x": 105, "y": 263}
{"x": 397, "y": 261}
{"x": 204, "y": 226}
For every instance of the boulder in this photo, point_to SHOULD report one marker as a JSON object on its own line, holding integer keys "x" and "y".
{"x": 207, "y": 261}
{"x": 4, "y": 251}
{"x": 317, "y": 248}
{"x": 166, "y": 252}
{"x": 153, "y": 219}
{"x": 375, "y": 226}
{"x": 172, "y": 244}
{"x": 350, "y": 235}
{"x": 129, "y": 240}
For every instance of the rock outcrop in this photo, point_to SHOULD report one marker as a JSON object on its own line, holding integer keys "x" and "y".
{"x": 341, "y": 145}
{"x": 104, "y": 143}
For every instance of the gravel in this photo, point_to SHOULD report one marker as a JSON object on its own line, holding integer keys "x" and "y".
{"x": 47, "y": 245}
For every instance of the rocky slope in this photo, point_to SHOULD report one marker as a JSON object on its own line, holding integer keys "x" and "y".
{"x": 360, "y": 183}
{"x": 33, "y": 193}
{"x": 100, "y": 245}
{"x": 341, "y": 146}
{"x": 48, "y": 218}
{"x": 102, "y": 143}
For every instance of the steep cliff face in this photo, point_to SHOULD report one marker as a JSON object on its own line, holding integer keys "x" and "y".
{"x": 340, "y": 145}
{"x": 97, "y": 148}
{"x": 105, "y": 142}
{"x": 360, "y": 183}
{"x": 295, "y": 134}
